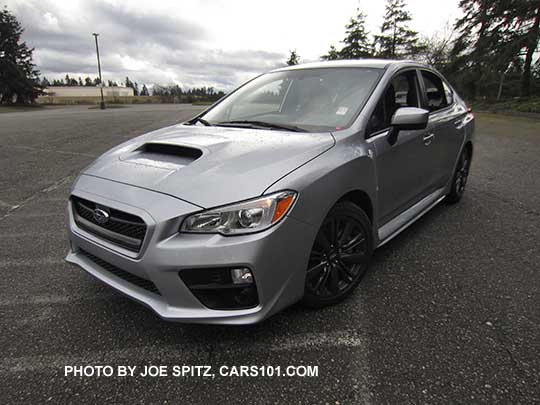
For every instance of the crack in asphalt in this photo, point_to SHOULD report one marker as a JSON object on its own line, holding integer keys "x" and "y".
{"x": 35, "y": 195}
{"x": 63, "y": 152}
{"x": 514, "y": 203}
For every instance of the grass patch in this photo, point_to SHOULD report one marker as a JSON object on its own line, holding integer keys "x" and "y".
{"x": 108, "y": 106}
{"x": 203, "y": 103}
{"x": 528, "y": 105}
{"x": 19, "y": 108}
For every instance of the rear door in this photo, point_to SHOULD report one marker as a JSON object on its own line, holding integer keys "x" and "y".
{"x": 401, "y": 168}
{"x": 445, "y": 127}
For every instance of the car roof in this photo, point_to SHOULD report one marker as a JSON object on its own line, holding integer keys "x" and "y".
{"x": 365, "y": 63}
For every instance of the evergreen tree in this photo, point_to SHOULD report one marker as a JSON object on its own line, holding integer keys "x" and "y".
{"x": 496, "y": 39}
{"x": 333, "y": 54}
{"x": 144, "y": 90}
{"x": 18, "y": 77}
{"x": 530, "y": 12}
{"x": 88, "y": 81}
{"x": 396, "y": 40}
{"x": 294, "y": 58}
{"x": 133, "y": 86}
{"x": 79, "y": 83}
{"x": 357, "y": 44}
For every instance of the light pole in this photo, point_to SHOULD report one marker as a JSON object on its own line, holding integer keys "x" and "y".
{"x": 102, "y": 104}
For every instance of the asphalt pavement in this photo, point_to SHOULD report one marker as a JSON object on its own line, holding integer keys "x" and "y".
{"x": 448, "y": 312}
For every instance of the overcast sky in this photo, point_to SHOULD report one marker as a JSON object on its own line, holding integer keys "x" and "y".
{"x": 216, "y": 43}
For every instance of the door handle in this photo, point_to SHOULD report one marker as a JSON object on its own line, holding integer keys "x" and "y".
{"x": 458, "y": 124}
{"x": 428, "y": 139}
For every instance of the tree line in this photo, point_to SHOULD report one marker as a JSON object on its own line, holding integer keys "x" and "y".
{"x": 89, "y": 82}
{"x": 169, "y": 93}
{"x": 175, "y": 94}
{"x": 490, "y": 52}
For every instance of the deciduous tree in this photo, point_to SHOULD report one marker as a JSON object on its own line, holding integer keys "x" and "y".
{"x": 435, "y": 50}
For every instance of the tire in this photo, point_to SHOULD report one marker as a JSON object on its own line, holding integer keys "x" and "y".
{"x": 339, "y": 257}
{"x": 459, "y": 180}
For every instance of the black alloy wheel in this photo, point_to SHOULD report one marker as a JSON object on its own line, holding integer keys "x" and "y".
{"x": 460, "y": 177}
{"x": 339, "y": 257}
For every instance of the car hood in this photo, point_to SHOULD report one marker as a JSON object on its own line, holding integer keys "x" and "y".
{"x": 209, "y": 166}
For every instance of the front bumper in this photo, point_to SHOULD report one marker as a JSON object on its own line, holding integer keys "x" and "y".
{"x": 277, "y": 257}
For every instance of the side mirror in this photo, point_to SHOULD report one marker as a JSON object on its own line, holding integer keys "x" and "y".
{"x": 407, "y": 119}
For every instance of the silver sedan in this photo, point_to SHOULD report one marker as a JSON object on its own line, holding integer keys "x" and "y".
{"x": 277, "y": 193}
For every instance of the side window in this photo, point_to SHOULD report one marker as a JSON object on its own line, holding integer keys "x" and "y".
{"x": 401, "y": 92}
{"x": 436, "y": 94}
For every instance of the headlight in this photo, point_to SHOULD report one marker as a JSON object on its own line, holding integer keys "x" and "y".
{"x": 245, "y": 217}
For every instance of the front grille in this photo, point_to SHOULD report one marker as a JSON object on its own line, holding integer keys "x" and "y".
{"x": 124, "y": 275}
{"x": 121, "y": 228}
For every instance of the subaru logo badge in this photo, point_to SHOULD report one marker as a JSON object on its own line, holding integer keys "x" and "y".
{"x": 101, "y": 216}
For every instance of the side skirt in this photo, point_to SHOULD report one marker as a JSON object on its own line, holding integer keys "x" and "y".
{"x": 392, "y": 228}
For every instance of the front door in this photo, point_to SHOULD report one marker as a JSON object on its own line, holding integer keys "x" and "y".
{"x": 403, "y": 174}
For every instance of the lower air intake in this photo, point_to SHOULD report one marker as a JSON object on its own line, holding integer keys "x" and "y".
{"x": 124, "y": 275}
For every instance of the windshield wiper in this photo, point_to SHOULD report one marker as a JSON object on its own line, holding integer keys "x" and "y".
{"x": 261, "y": 124}
{"x": 201, "y": 120}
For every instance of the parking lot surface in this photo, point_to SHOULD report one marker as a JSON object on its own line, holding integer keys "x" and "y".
{"x": 449, "y": 310}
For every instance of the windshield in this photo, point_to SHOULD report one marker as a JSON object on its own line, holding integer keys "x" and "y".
{"x": 324, "y": 99}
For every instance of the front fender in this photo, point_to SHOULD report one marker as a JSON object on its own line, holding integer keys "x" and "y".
{"x": 325, "y": 180}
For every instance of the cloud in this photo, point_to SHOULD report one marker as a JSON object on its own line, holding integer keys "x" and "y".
{"x": 218, "y": 43}
{"x": 148, "y": 46}
{"x": 134, "y": 28}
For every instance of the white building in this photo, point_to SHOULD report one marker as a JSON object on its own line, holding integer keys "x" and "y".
{"x": 85, "y": 95}
{"x": 87, "y": 91}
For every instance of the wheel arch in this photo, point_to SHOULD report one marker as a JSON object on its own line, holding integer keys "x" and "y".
{"x": 362, "y": 200}
{"x": 469, "y": 148}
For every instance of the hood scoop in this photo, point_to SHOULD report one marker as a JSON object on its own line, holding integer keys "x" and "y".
{"x": 162, "y": 155}
{"x": 210, "y": 166}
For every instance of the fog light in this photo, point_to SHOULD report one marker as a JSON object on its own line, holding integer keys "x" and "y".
{"x": 241, "y": 276}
